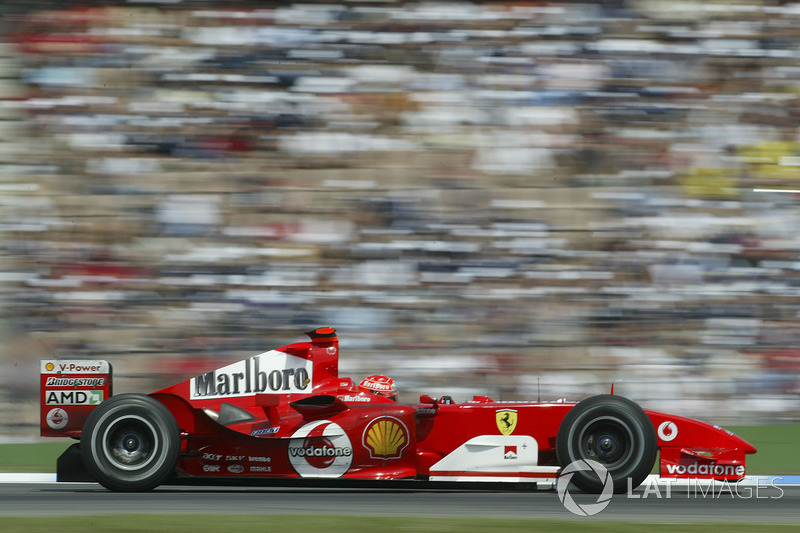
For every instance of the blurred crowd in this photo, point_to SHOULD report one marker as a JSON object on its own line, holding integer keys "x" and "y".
{"x": 519, "y": 199}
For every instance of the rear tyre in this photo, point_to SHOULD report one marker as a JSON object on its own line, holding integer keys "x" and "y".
{"x": 130, "y": 442}
{"x": 613, "y": 431}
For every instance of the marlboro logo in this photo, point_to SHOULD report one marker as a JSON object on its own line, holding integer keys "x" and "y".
{"x": 270, "y": 372}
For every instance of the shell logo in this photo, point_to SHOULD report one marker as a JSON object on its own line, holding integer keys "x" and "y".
{"x": 50, "y": 367}
{"x": 385, "y": 438}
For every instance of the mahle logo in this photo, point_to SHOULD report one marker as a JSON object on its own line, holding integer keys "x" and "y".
{"x": 586, "y": 509}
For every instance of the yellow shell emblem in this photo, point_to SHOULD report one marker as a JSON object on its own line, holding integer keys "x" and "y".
{"x": 385, "y": 438}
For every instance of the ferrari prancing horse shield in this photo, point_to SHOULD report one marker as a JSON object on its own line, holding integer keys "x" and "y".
{"x": 506, "y": 420}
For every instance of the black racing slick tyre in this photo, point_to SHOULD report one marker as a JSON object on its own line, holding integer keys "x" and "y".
{"x": 610, "y": 430}
{"x": 130, "y": 443}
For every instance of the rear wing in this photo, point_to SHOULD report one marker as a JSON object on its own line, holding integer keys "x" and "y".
{"x": 69, "y": 392}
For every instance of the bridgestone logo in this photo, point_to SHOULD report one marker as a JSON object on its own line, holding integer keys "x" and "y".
{"x": 271, "y": 372}
{"x": 324, "y": 451}
{"x": 75, "y": 382}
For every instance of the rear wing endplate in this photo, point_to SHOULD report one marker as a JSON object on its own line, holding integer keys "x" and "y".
{"x": 69, "y": 392}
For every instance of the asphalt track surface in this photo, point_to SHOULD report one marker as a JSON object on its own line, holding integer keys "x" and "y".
{"x": 769, "y": 506}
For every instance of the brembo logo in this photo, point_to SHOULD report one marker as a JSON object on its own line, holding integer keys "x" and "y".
{"x": 270, "y": 372}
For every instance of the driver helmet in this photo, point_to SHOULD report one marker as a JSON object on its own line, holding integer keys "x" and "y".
{"x": 380, "y": 385}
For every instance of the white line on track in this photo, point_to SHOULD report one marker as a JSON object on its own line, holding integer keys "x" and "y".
{"x": 28, "y": 478}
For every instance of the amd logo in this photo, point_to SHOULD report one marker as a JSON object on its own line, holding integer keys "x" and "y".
{"x": 74, "y": 397}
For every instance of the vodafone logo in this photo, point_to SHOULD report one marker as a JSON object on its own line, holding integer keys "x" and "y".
{"x": 697, "y": 469}
{"x": 667, "y": 431}
{"x": 57, "y": 418}
{"x": 320, "y": 449}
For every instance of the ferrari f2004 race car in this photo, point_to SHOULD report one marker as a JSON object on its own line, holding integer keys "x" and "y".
{"x": 286, "y": 414}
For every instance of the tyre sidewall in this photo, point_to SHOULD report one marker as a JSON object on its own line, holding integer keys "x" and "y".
{"x": 628, "y": 415}
{"x": 145, "y": 411}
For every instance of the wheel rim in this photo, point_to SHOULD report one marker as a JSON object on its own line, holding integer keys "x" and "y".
{"x": 130, "y": 443}
{"x": 608, "y": 441}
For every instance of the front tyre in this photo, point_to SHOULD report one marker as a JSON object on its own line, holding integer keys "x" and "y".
{"x": 130, "y": 442}
{"x": 613, "y": 431}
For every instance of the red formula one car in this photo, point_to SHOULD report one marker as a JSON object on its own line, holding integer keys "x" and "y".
{"x": 287, "y": 415}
